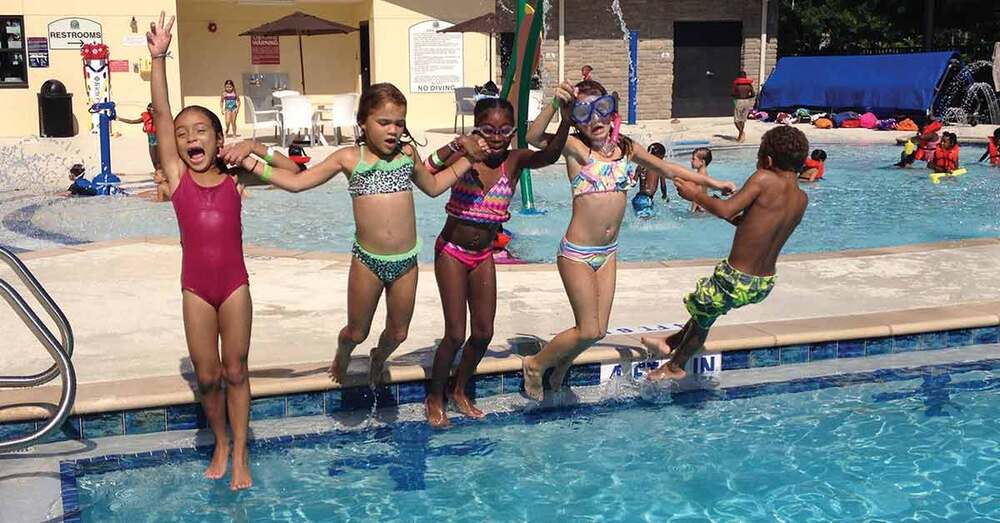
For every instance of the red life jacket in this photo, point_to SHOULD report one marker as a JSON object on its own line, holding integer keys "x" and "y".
{"x": 816, "y": 164}
{"x": 991, "y": 147}
{"x": 945, "y": 160}
{"x": 147, "y": 123}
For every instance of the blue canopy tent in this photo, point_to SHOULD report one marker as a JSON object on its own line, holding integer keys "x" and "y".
{"x": 883, "y": 84}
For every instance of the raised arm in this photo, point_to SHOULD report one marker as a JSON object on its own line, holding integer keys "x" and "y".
{"x": 554, "y": 144}
{"x": 659, "y": 167}
{"x": 435, "y": 184}
{"x": 292, "y": 180}
{"x": 536, "y": 134}
{"x": 729, "y": 209}
{"x": 158, "y": 39}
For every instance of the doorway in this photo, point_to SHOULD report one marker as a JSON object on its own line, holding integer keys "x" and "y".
{"x": 365, "y": 55}
{"x": 706, "y": 60}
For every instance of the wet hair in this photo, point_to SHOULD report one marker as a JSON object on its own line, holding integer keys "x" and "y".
{"x": 594, "y": 88}
{"x": 376, "y": 96}
{"x": 488, "y": 104}
{"x": 77, "y": 169}
{"x": 743, "y": 74}
{"x": 216, "y": 126}
{"x": 787, "y": 147}
{"x": 704, "y": 154}
{"x": 950, "y": 136}
{"x": 657, "y": 149}
{"x": 819, "y": 155}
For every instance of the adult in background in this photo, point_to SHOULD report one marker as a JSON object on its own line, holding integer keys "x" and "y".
{"x": 743, "y": 98}
{"x": 585, "y": 72}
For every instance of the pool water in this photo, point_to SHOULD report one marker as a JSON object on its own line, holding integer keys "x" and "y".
{"x": 886, "y": 445}
{"x": 862, "y": 203}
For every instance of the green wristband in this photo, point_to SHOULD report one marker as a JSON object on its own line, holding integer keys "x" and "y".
{"x": 269, "y": 156}
{"x": 266, "y": 174}
{"x": 556, "y": 104}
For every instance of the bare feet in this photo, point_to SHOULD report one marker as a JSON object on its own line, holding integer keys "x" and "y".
{"x": 465, "y": 405}
{"x": 241, "y": 470}
{"x": 657, "y": 346}
{"x": 667, "y": 371}
{"x": 338, "y": 369}
{"x": 558, "y": 376}
{"x": 532, "y": 378}
{"x": 377, "y": 366}
{"x": 220, "y": 458}
{"x": 436, "y": 416}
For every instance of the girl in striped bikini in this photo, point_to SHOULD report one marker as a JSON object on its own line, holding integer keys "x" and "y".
{"x": 601, "y": 165}
{"x": 463, "y": 262}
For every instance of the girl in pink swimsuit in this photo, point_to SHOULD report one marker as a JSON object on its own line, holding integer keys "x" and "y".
{"x": 214, "y": 283}
{"x": 463, "y": 261}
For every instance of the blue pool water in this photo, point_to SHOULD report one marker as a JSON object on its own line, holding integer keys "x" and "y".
{"x": 862, "y": 203}
{"x": 881, "y": 446}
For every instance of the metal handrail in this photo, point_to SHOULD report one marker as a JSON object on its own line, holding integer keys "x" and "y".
{"x": 63, "y": 367}
{"x": 65, "y": 331}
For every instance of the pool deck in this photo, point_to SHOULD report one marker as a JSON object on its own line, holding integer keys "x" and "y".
{"x": 131, "y": 353}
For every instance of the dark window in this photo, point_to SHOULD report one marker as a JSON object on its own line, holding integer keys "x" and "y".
{"x": 13, "y": 55}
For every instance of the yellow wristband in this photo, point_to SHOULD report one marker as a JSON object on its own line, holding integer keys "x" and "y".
{"x": 266, "y": 174}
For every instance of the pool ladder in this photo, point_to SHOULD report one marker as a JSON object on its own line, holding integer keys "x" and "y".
{"x": 60, "y": 350}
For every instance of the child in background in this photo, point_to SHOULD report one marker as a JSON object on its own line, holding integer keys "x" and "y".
{"x": 927, "y": 141}
{"x": 766, "y": 211}
{"x": 700, "y": 159}
{"x": 148, "y": 127}
{"x": 993, "y": 149}
{"x": 815, "y": 166}
{"x": 642, "y": 202}
{"x": 230, "y": 104}
{"x": 945, "y": 158}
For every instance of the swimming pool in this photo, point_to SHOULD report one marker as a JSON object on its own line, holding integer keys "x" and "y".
{"x": 862, "y": 203}
{"x": 883, "y": 445}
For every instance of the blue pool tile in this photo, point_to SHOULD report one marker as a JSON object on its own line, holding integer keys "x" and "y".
{"x": 356, "y": 398}
{"x": 794, "y": 354}
{"x": 985, "y": 335}
{"x": 959, "y": 337}
{"x": 487, "y": 385}
{"x": 145, "y": 421}
{"x": 184, "y": 417}
{"x": 765, "y": 357}
{"x": 934, "y": 340}
{"x": 878, "y": 346}
{"x": 412, "y": 392}
{"x": 585, "y": 375}
{"x": 267, "y": 408}
{"x": 736, "y": 359}
{"x": 387, "y": 395}
{"x": 822, "y": 351}
{"x": 103, "y": 425}
{"x": 70, "y": 430}
{"x": 907, "y": 343}
{"x": 9, "y": 431}
{"x": 333, "y": 401}
{"x": 851, "y": 349}
{"x": 513, "y": 382}
{"x": 307, "y": 404}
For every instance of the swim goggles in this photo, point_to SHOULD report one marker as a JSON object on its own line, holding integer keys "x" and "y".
{"x": 487, "y": 131}
{"x": 604, "y": 106}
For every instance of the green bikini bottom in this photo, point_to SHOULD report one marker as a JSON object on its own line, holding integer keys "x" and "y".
{"x": 387, "y": 267}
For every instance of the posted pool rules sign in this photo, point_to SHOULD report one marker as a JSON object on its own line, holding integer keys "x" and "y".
{"x": 72, "y": 33}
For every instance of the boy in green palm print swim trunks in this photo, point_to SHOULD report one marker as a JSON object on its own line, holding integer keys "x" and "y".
{"x": 766, "y": 210}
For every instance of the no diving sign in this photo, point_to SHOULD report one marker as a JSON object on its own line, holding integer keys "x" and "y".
{"x": 72, "y": 33}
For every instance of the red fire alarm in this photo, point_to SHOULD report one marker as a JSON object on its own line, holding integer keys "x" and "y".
{"x": 212, "y": 27}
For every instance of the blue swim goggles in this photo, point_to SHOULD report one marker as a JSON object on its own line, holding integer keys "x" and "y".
{"x": 604, "y": 106}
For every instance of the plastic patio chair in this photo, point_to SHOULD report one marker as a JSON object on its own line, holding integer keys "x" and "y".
{"x": 260, "y": 119}
{"x": 343, "y": 113}
{"x": 465, "y": 103}
{"x": 297, "y": 114}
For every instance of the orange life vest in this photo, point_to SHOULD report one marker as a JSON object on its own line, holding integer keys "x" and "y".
{"x": 945, "y": 160}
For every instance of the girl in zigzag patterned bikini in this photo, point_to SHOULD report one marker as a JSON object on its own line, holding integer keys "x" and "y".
{"x": 601, "y": 165}
{"x": 381, "y": 172}
{"x": 463, "y": 262}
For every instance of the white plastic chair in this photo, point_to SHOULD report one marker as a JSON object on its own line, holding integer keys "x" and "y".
{"x": 297, "y": 115}
{"x": 260, "y": 119}
{"x": 465, "y": 103}
{"x": 282, "y": 94}
{"x": 342, "y": 113}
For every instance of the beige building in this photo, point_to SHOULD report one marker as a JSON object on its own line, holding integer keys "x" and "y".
{"x": 687, "y": 52}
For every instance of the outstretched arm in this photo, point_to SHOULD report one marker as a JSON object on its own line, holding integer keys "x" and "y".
{"x": 729, "y": 209}
{"x": 293, "y": 181}
{"x": 235, "y": 153}
{"x": 674, "y": 171}
{"x": 158, "y": 38}
{"x": 435, "y": 184}
{"x": 129, "y": 120}
{"x": 985, "y": 155}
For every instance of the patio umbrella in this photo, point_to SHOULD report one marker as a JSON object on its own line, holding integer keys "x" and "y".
{"x": 489, "y": 23}
{"x": 299, "y": 24}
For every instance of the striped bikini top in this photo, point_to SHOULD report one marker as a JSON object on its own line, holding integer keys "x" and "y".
{"x": 605, "y": 176}
{"x": 382, "y": 177}
{"x": 469, "y": 202}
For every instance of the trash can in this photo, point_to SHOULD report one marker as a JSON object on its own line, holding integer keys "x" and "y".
{"x": 55, "y": 110}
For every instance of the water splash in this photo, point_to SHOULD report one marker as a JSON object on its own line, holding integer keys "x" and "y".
{"x": 616, "y": 8}
{"x": 965, "y": 100}
{"x": 31, "y": 163}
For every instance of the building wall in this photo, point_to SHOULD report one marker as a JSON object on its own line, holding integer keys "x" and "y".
{"x": 391, "y": 20}
{"x": 208, "y": 59}
{"x": 129, "y": 90}
{"x": 594, "y": 36}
